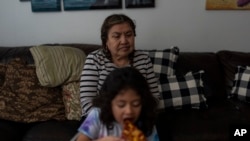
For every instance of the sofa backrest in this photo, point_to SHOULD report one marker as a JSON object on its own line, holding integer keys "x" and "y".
{"x": 230, "y": 60}
{"x": 213, "y": 77}
{"x": 7, "y": 53}
{"x": 86, "y": 48}
{"x": 214, "y": 83}
{"x": 23, "y": 52}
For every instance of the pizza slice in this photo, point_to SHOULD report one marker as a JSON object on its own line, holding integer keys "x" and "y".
{"x": 131, "y": 132}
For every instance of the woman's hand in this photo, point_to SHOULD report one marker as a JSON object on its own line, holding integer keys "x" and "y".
{"x": 82, "y": 137}
{"x": 110, "y": 138}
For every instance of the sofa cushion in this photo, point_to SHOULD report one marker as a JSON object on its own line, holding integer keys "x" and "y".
{"x": 23, "y": 99}
{"x": 52, "y": 131}
{"x": 186, "y": 91}
{"x": 241, "y": 84}
{"x": 56, "y": 65}
{"x": 71, "y": 99}
{"x": 12, "y": 131}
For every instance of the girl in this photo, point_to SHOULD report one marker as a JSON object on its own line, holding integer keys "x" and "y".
{"x": 125, "y": 95}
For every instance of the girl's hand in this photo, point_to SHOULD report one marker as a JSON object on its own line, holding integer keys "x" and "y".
{"x": 110, "y": 138}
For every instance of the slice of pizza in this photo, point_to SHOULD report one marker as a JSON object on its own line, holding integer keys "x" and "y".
{"x": 131, "y": 132}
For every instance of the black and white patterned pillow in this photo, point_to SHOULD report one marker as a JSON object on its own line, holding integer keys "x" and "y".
{"x": 182, "y": 92}
{"x": 163, "y": 64}
{"x": 241, "y": 84}
{"x": 163, "y": 60}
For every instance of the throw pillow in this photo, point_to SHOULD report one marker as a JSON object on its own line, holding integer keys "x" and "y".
{"x": 181, "y": 92}
{"x": 71, "y": 99}
{"x": 2, "y": 79}
{"x": 56, "y": 65}
{"x": 241, "y": 84}
{"x": 163, "y": 64}
{"x": 163, "y": 60}
{"x": 22, "y": 99}
{"x": 2, "y": 73}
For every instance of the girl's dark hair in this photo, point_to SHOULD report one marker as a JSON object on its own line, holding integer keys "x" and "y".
{"x": 109, "y": 22}
{"x": 120, "y": 79}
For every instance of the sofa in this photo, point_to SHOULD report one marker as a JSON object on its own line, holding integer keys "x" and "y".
{"x": 217, "y": 120}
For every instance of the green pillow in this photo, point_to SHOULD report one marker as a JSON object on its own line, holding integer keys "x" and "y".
{"x": 56, "y": 65}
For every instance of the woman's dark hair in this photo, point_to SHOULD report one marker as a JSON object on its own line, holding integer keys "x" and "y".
{"x": 109, "y": 22}
{"x": 120, "y": 79}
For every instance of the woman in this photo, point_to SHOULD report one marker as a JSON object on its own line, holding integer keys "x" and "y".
{"x": 118, "y": 39}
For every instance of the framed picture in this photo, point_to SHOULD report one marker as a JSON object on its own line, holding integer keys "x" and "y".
{"x": 45, "y": 5}
{"x": 139, "y": 3}
{"x": 227, "y": 4}
{"x": 91, "y": 4}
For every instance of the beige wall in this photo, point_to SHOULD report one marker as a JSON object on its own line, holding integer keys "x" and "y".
{"x": 183, "y": 23}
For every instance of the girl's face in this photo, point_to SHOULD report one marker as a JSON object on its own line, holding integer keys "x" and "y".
{"x": 126, "y": 105}
{"x": 120, "y": 40}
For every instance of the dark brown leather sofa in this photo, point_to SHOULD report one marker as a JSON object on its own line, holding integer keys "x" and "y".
{"x": 223, "y": 115}
{"x": 212, "y": 124}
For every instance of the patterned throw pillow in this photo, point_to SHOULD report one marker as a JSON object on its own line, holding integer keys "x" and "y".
{"x": 182, "y": 92}
{"x": 22, "y": 98}
{"x": 56, "y": 65}
{"x": 71, "y": 99}
{"x": 163, "y": 64}
{"x": 164, "y": 60}
{"x": 241, "y": 84}
{"x": 2, "y": 73}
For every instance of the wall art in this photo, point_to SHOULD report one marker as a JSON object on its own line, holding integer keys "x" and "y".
{"x": 91, "y": 4}
{"x": 228, "y": 4}
{"x": 45, "y": 5}
{"x": 139, "y": 3}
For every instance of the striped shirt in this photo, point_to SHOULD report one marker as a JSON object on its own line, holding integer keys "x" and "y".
{"x": 96, "y": 69}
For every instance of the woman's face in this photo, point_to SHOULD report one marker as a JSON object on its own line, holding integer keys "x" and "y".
{"x": 126, "y": 105}
{"x": 120, "y": 40}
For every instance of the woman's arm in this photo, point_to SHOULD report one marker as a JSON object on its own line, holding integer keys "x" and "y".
{"x": 82, "y": 137}
{"x": 88, "y": 84}
{"x": 151, "y": 78}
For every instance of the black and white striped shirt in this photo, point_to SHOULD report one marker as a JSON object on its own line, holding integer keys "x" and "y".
{"x": 96, "y": 69}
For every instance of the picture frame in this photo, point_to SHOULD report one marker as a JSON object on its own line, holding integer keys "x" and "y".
{"x": 139, "y": 3}
{"x": 227, "y": 4}
{"x": 91, "y": 5}
{"x": 45, "y": 5}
